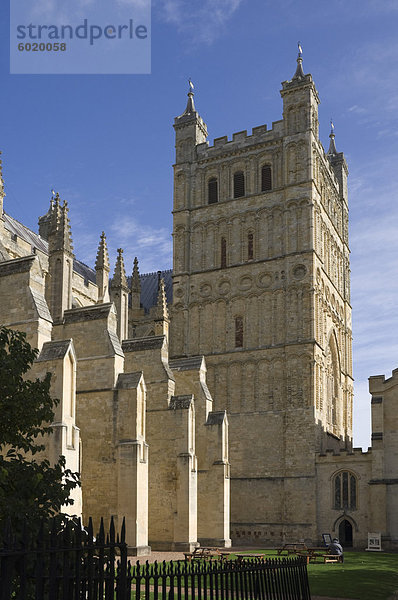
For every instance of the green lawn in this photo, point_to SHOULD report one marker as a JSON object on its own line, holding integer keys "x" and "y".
{"x": 363, "y": 576}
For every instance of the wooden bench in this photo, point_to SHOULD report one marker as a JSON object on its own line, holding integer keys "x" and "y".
{"x": 332, "y": 558}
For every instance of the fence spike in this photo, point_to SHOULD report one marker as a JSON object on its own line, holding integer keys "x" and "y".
{"x": 101, "y": 533}
{"x": 112, "y": 531}
{"x": 123, "y": 531}
{"x": 90, "y": 532}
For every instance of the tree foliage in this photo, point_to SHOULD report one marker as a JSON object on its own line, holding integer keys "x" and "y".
{"x": 31, "y": 489}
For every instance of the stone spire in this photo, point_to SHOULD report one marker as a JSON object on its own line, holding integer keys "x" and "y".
{"x": 59, "y": 234}
{"x": 299, "y": 74}
{"x": 190, "y": 109}
{"x": 135, "y": 286}
{"x": 332, "y": 146}
{"x": 338, "y": 163}
{"x": 120, "y": 296}
{"x": 119, "y": 277}
{"x": 65, "y": 230}
{"x": 60, "y": 260}
{"x": 190, "y": 130}
{"x": 102, "y": 269}
{"x": 161, "y": 313}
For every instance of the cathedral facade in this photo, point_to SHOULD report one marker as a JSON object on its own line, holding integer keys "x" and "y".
{"x": 215, "y": 402}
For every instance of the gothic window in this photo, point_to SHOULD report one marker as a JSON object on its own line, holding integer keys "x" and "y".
{"x": 212, "y": 190}
{"x": 238, "y": 332}
{"x": 345, "y": 491}
{"x": 223, "y": 253}
{"x": 332, "y": 383}
{"x": 250, "y": 246}
{"x": 266, "y": 178}
{"x": 239, "y": 184}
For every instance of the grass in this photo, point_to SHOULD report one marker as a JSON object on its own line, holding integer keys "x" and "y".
{"x": 362, "y": 576}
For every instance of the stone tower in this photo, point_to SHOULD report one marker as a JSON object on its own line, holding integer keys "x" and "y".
{"x": 261, "y": 288}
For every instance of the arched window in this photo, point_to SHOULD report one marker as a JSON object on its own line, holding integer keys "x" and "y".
{"x": 239, "y": 184}
{"x": 345, "y": 491}
{"x": 223, "y": 253}
{"x": 250, "y": 245}
{"x": 332, "y": 374}
{"x": 212, "y": 190}
{"x": 238, "y": 332}
{"x": 266, "y": 178}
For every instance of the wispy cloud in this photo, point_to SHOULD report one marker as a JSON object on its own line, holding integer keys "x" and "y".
{"x": 200, "y": 21}
{"x": 152, "y": 246}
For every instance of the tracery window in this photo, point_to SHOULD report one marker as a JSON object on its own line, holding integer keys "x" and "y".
{"x": 212, "y": 190}
{"x": 266, "y": 178}
{"x": 345, "y": 491}
{"x": 239, "y": 184}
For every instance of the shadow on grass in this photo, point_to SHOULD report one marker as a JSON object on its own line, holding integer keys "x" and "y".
{"x": 362, "y": 576}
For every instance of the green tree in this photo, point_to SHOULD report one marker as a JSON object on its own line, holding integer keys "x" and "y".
{"x": 31, "y": 489}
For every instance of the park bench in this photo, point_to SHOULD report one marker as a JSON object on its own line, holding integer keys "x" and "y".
{"x": 332, "y": 558}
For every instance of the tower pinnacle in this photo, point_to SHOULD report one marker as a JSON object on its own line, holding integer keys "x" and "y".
{"x": 119, "y": 277}
{"x": 102, "y": 270}
{"x": 102, "y": 261}
{"x": 59, "y": 233}
{"x": 135, "y": 286}
{"x": 299, "y": 74}
{"x": 161, "y": 313}
{"x": 332, "y": 146}
{"x": 190, "y": 109}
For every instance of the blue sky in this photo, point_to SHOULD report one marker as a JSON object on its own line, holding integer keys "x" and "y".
{"x": 106, "y": 142}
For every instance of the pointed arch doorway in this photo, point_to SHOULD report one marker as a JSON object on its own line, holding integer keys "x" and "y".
{"x": 345, "y": 533}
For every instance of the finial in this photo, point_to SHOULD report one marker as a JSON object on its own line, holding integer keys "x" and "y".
{"x": 102, "y": 261}
{"x": 119, "y": 277}
{"x": 190, "y": 109}
{"x": 299, "y": 74}
{"x": 300, "y": 50}
{"x": 65, "y": 228}
{"x": 161, "y": 305}
{"x": 332, "y": 146}
{"x": 135, "y": 278}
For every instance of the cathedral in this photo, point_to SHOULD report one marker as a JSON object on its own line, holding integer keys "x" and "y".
{"x": 212, "y": 404}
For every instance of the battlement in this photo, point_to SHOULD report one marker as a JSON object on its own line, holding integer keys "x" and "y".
{"x": 330, "y": 455}
{"x": 241, "y": 139}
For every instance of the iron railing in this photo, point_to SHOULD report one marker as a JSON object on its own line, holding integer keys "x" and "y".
{"x": 71, "y": 564}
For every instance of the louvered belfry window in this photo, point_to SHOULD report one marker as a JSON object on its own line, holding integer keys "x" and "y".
{"x": 239, "y": 184}
{"x": 266, "y": 178}
{"x": 223, "y": 253}
{"x": 238, "y": 332}
{"x": 213, "y": 190}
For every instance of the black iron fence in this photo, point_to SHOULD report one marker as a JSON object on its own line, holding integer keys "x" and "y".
{"x": 71, "y": 564}
{"x": 249, "y": 579}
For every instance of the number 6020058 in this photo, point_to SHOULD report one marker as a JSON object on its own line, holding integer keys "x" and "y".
{"x": 42, "y": 47}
